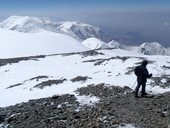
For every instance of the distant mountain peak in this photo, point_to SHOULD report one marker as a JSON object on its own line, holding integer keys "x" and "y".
{"x": 153, "y": 48}
{"x": 114, "y": 44}
{"x": 79, "y": 30}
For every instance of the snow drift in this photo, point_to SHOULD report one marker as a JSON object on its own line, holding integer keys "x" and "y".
{"x": 94, "y": 43}
{"x": 16, "y": 44}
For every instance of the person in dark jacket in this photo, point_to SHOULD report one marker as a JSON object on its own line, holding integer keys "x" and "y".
{"x": 142, "y": 75}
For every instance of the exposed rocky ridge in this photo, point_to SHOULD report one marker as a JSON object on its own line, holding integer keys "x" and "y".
{"x": 37, "y": 78}
{"x": 4, "y": 62}
{"x": 156, "y": 81}
{"x": 80, "y": 79}
{"x": 49, "y": 83}
{"x": 117, "y": 106}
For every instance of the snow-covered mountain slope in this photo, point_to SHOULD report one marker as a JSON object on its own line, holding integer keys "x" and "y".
{"x": 22, "y": 79}
{"x": 76, "y": 29}
{"x": 94, "y": 43}
{"x": 16, "y": 44}
{"x": 152, "y": 49}
{"x": 28, "y": 24}
{"x": 79, "y": 30}
{"x": 117, "y": 45}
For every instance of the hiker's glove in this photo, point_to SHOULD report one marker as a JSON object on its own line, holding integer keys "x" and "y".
{"x": 150, "y": 75}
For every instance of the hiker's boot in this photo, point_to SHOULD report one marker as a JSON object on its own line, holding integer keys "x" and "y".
{"x": 144, "y": 94}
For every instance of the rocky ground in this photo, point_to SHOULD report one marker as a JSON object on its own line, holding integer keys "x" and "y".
{"x": 117, "y": 106}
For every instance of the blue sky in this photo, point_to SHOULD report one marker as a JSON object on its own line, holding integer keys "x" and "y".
{"x": 79, "y": 9}
{"x": 47, "y": 6}
{"x": 134, "y": 20}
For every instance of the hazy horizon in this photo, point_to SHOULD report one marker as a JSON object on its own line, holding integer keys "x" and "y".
{"x": 135, "y": 21}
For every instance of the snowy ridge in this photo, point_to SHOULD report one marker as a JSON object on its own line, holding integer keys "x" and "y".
{"x": 152, "y": 49}
{"x": 76, "y": 29}
{"x": 17, "y": 44}
{"x": 79, "y": 30}
{"x": 95, "y": 43}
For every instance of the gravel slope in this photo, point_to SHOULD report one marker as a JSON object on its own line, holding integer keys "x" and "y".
{"x": 116, "y": 107}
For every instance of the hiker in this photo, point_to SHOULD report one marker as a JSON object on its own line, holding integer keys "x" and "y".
{"x": 142, "y": 74}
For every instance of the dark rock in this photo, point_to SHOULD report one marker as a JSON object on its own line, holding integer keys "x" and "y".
{"x": 17, "y": 60}
{"x": 80, "y": 78}
{"x": 2, "y": 118}
{"x": 55, "y": 97}
{"x": 49, "y": 83}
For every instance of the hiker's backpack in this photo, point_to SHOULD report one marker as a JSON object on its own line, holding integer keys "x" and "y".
{"x": 138, "y": 70}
